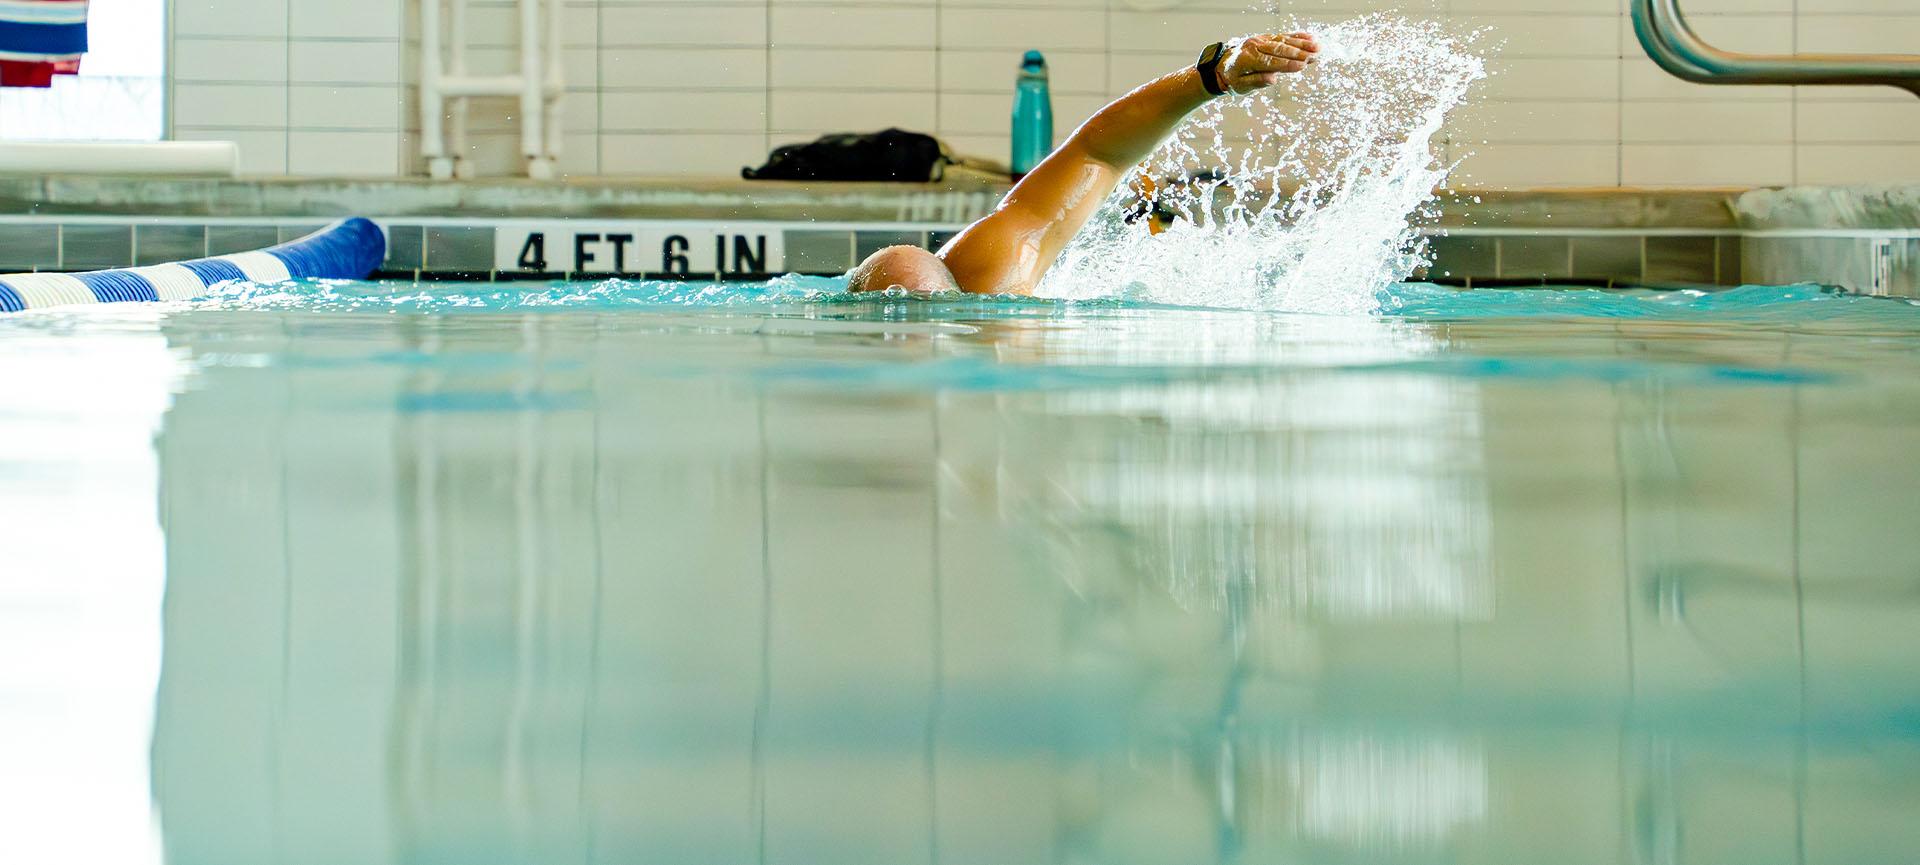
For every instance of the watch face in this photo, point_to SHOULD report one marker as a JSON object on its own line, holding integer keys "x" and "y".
{"x": 1211, "y": 54}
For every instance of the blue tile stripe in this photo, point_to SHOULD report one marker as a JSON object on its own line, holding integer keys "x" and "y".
{"x": 118, "y": 286}
{"x": 348, "y": 249}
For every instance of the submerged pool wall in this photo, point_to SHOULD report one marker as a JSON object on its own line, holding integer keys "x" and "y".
{"x": 348, "y": 249}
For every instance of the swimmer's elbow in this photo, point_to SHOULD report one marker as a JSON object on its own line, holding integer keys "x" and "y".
{"x": 986, "y": 260}
{"x": 1086, "y": 150}
{"x": 978, "y": 274}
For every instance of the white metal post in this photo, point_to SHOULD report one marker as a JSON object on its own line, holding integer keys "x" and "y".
{"x": 533, "y": 92}
{"x": 433, "y": 145}
{"x": 555, "y": 79}
{"x": 446, "y": 84}
{"x": 457, "y": 107}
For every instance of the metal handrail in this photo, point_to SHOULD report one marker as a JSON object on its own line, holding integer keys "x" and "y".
{"x": 1672, "y": 44}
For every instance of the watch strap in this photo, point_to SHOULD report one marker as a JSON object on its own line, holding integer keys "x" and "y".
{"x": 1209, "y": 68}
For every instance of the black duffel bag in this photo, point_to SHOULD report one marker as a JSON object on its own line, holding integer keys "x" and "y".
{"x": 890, "y": 154}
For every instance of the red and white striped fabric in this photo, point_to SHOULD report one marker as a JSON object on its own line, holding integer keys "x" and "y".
{"x": 40, "y": 39}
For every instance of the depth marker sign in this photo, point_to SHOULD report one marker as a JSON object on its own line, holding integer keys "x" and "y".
{"x": 640, "y": 248}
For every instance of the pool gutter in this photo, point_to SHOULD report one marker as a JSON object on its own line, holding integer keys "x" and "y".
{"x": 1866, "y": 240}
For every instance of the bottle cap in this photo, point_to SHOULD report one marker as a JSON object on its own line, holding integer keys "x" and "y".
{"x": 1033, "y": 59}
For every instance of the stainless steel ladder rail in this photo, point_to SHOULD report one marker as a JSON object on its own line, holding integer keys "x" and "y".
{"x": 1672, "y": 44}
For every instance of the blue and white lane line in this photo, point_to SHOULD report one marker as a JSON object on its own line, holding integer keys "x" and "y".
{"x": 348, "y": 249}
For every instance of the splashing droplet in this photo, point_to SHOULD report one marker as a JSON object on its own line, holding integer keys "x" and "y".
{"x": 1302, "y": 197}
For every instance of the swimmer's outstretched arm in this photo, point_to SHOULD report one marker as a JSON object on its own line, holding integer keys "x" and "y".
{"x": 1010, "y": 249}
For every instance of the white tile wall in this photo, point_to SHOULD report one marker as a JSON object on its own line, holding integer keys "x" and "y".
{"x": 306, "y": 87}
{"x": 703, "y": 87}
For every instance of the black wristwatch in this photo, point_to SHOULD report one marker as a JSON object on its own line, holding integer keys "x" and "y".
{"x": 1209, "y": 67}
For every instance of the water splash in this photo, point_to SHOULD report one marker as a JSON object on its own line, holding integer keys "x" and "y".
{"x": 1303, "y": 196}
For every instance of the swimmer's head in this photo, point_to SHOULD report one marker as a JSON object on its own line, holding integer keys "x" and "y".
{"x": 908, "y": 267}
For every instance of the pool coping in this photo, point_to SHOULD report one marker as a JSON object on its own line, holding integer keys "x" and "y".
{"x": 960, "y": 198}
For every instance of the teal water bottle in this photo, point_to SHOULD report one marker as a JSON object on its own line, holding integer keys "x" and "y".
{"x": 1032, "y": 115}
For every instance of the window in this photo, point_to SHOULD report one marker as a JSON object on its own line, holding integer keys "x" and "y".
{"x": 119, "y": 94}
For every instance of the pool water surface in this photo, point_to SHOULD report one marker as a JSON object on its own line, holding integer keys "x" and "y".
{"x": 654, "y": 572}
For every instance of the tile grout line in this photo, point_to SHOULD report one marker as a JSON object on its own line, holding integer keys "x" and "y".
{"x": 170, "y": 93}
{"x": 402, "y": 160}
{"x": 766, "y": 78}
{"x": 600, "y": 91}
{"x": 1107, "y": 52}
{"x": 286, "y": 92}
{"x": 1450, "y": 152}
{"x": 1793, "y": 109}
{"x": 939, "y": 76}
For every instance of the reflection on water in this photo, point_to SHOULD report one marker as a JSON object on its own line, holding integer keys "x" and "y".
{"x": 80, "y": 586}
{"x": 1114, "y": 586}
{"x": 1256, "y": 493}
{"x": 1275, "y": 488}
{"x": 1377, "y": 793}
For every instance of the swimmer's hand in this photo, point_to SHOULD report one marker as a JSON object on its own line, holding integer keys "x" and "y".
{"x": 1258, "y": 62}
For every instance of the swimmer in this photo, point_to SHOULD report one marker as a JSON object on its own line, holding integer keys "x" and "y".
{"x": 1008, "y": 250}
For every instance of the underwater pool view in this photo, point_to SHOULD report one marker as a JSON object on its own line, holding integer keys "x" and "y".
{"x": 650, "y": 572}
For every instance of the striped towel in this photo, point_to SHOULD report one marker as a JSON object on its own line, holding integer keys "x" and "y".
{"x": 40, "y": 39}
